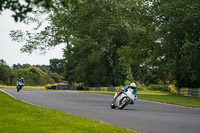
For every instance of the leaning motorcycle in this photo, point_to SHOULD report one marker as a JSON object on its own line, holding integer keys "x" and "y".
{"x": 19, "y": 86}
{"x": 123, "y": 100}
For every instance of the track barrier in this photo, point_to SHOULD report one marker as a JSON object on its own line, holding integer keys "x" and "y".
{"x": 191, "y": 92}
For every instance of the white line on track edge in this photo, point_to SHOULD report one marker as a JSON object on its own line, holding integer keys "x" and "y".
{"x": 19, "y": 99}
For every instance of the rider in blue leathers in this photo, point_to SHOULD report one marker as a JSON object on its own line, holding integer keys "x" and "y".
{"x": 20, "y": 84}
{"x": 132, "y": 86}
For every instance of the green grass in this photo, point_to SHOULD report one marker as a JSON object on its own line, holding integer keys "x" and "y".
{"x": 162, "y": 96}
{"x": 171, "y": 99}
{"x": 166, "y": 97}
{"x": 24, "y": 88}
{"x": 19, "y": 117}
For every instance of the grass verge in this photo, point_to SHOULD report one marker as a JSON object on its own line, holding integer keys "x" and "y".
{"x": 16, "y": 116}
{"x": 171, "y": 99}
{"x": 24, "y": 88}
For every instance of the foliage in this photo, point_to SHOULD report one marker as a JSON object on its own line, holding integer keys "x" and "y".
{"x": 19, "y": 66}
{"x": 93, "y": 32}
{"x": 97, "y": 39}
{"x": 21, "y": 8}
{"x": 110, "y": 42}
{"x": 173, "y": 89}
{"x": 34, "y": 76}
{"x": 7, "y": 75}
{"x": 57, "y": 66}
{"x": 127, "y": 82}
{"x": 158, "y": 87}
{"x": 44, "y": 68}
{"x": 178, "y": 32}
{"x": 56, "y": 77}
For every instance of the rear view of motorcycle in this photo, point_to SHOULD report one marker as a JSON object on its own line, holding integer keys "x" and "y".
{"x": 123, "y": 99}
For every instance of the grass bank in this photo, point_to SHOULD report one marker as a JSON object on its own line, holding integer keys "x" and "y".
{"x": 24, "y": 88}
{"x": 171, "y": 99}
{"x": 162, "y": 96}
{"x": 16, "y": 116}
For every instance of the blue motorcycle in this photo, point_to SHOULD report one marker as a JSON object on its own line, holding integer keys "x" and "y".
{"x": 19, "y": 86}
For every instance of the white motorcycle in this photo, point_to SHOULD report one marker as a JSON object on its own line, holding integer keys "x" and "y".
{"x": 123, "y": 100}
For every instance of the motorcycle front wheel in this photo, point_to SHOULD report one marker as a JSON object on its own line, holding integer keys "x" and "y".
{"x": 19, "y": 88}
{"x": 124, "y": 102}
{"x": 113, "y": 105}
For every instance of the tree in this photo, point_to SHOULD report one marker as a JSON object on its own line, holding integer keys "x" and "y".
{"x": 44, "y": 68}
{"x": 8, "y": 76}
{"x": 99, "y": 29}
{"x": 33, "y": 76}
{"x": 19, "y": 66}
{"x": 21, "y": 8}
{"x": 110, "y": 42}
{"x": 57, "y": 66}
{"x": 178, "y": 34}
{"x": 56, "y": 77}
{"x": 93, "y": 32}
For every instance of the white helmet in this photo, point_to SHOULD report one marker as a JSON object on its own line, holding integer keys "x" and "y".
{"x": 133, "y": 85}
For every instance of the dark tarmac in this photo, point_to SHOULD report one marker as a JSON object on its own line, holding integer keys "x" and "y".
{"x": 143, "y": 116}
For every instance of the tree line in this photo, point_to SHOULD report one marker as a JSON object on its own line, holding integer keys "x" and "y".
{"x": 36, "y": 75}
{"x": 110, "y": 42}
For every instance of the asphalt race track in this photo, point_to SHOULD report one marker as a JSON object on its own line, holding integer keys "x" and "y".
{"x": 143, "y": 116}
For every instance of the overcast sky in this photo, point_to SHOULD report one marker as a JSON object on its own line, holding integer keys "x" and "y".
{"x": 10, "y": 51}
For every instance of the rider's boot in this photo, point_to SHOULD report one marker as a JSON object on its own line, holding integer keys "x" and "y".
{"x": 131, "y": 102}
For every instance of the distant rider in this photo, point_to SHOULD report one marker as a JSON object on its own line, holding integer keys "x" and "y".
{"x": 20, "y": 84}
{"x": 124, "y": 89}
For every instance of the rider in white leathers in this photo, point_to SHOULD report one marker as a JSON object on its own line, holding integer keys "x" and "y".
{"x": 132, "y": 86}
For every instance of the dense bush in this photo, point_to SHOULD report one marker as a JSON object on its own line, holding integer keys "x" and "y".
{"x": 127, "y": 82}
{"x": 158, "y": 87}
{"x": 140, "y": 86}
{"x": 56, "y": 77}
{"x": 33, "y": 76}
{"x": 173, "y": 89}
{"x": 7, "y": 75}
